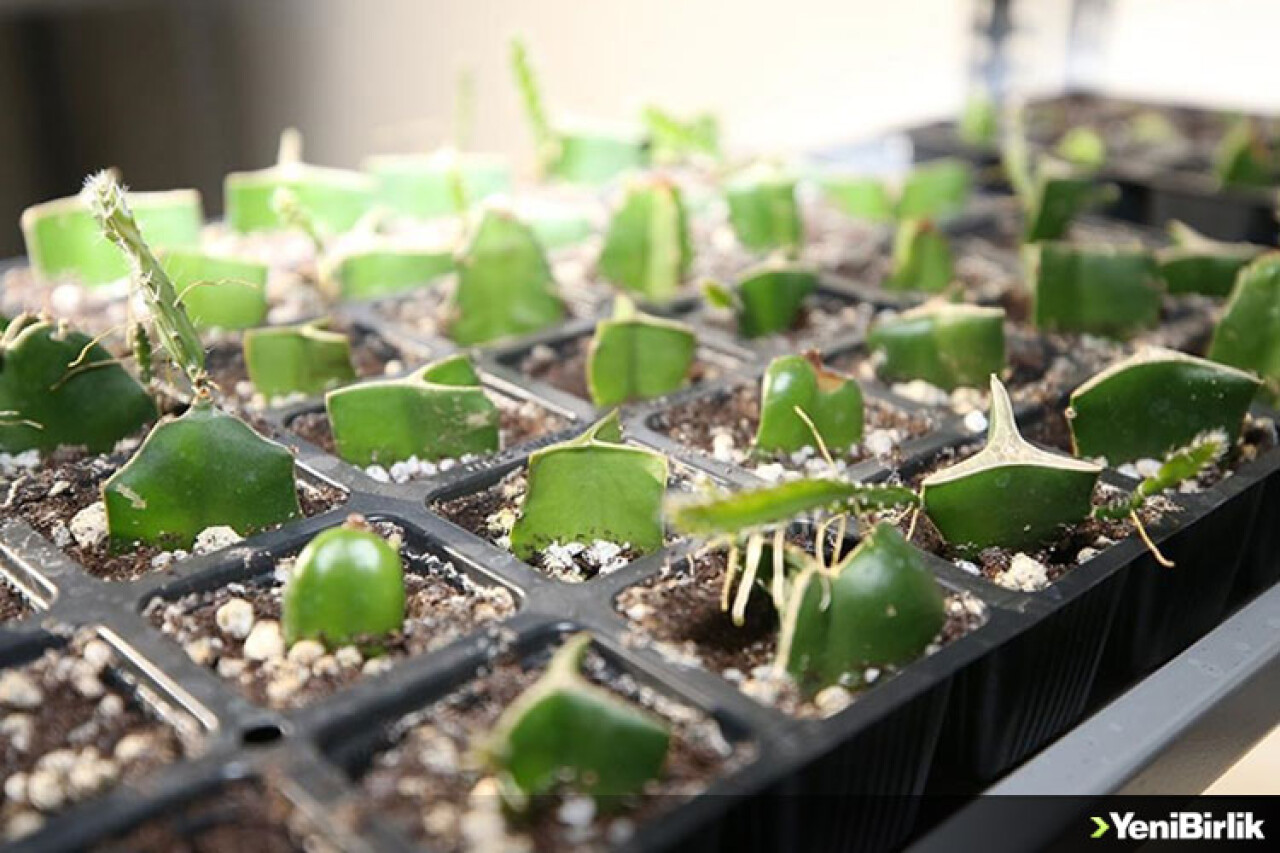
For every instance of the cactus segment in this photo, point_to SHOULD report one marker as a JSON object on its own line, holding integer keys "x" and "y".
{"x": 678, "y": 140}
{"x": 1154, "y": 402}
{"x": 1010, "y": 494}
{"x": 735, "y": 512}
{"x": 860, "y": 196}
{"x": 878, "y": 606}
{"x": 921, "y": 258}
{"x": 979, "y": 121}
{"x": 935, "y": 189}
{"x": 763, "y": 210}
{"x": 592, "y": 487}
{"x": 597, "y": 155}
{"x": 564, "y": 730}
{"x": 421, "y": 186}
{"x": 768, "y": 300}
{"x": 203, "y": 469}
{"x": 304, "y": 359}
{"x": 334, "y": 198}
{"x": 505, "y": 286}
{"x": 1243, "y": 157}
{"x": 438, "y": 412}
{"x": 949, "y": 345}
{"x": 1198, "y": 264}
{"x": 1107, "y": 290}
{"x": 831, "y": 404}
{"x": 58, "y": 387}
{"x": 647, "y": 248}
{"x": 637, "y": 357}
{"x": 1083, "y": 147}
{"x": 1058, "y": 200}
{"x": 346, "y": 587}
{"x": 218, "y": 292}
{"x": 1248, "y": 335}
{"x": 63, "y": 238}
{"x": 387, "y": 270}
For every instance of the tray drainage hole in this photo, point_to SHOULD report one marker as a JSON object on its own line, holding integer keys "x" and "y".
{"x": 262, "y": 734}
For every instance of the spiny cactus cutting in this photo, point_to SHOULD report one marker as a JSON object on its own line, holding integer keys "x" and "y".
{"x": 634, "y": 356}
{"x": 1156, "y": 402}
{"x": 592, "y": 487}
{"x": 921, "y": 258}
{"x": 218, "y": 292}
{"x": 647, "y": 248}
{"x": 335, "y": 198}
{"x": 801, "y": 402}
{"x": 1198, "y": 264}
{"x": 347, "y": 586}
{"x": 767, "y": 300}
{"x": 1248, "y": 335}
{"x": 564, "y": 730}
{"x": 504, "y": 287}
{"x": 734, "y": 512}
{"x": 59, "y": 387}
{"x": 438, "y": 412}
{"x": 950, "y": 345}
{"x": 763, "y": 209}
{"x": 1037, "y": 492}
{"x": 305, "y": 359}
{"x": 1106, "y": 290}
{"x": 424, "y": 186}
{"x": 205, "y": 468}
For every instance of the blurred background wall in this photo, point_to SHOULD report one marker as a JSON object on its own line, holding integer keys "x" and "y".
{"x": 176, "y": 92}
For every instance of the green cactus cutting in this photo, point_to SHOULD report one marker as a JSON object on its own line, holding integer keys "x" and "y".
{"x": 592, "y": 487}
{"x": 335, "y": 198}
{"x": 878, "y": 606}
{"x": 582, "y": 155}
{"x": 734, "y": 512}
{"x": 504, "y": 285}
{"x": 950, "y": 345}
{"x": 1243, "y": 157}
{"x": 422, "y": 186}
{"x": 1105, "y": 290}
{"x": 921, "y": 258}
{"x": 1198, "y": 264}
{"x": 678, "y": 140}
{"x": 1154, "y": 402}
{"x": 1050, "y": 191}
{"x": 347, "y": 586}
{"x": 555, "y": 223}
{"x": 931, "y": 190}
{"x": 763, "y": 210}
{"x": 860, "y": 196}
{"x": 768, "y": 300}
{"x": 388, "y": 269}
{"x": 647, "y": 248}
{"x": 801, "y": 402}
{"x": 218, "y": 292}
{"x": 1180, "y": 466}
{"x": 63, "y": 239}
{"x": 979, "y": 121}
{"x": 1248, "y": 335}
{"x": 1083, "y": 146}
{"x": 1037, "y": 492}
{"x": 438, "y": 412}
{"x": 564, "y": 730}
{"x": 59, "y": 387}
{"x": 205, "y": 468}
{"x": 634, "y": 356}
{"x": 304, "y": 359}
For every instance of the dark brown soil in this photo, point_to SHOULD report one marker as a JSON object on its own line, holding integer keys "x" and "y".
{"x": 71, "y": 479}
{"x": 736, "y": 411}
{"x": 564, "y": 366}
{"x": 519, "y": 421}
{"x": 441, "y": 605}
{"x": 239, "y": 818}
{"x": 59, "y": 745}
{"x": 13, "y": 604}
{"x": 681, "y": 608}
{"x": 424, "y": 784}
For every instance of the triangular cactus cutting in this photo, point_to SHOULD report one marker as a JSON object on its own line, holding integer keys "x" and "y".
{"x": 763, "y": 209}
{"x": 1248, "y": 335}
{"x": 1010, "y": 494}
{"x": 564, "y": 730}
{"x": 921, "y": 258}
{"x": 438, "y": 412}
{"x": 218, "y": 292}
{"x": 592, "y": 487}
{"x": 305, "y": 359}
{"x": 767, "y": 300}
{"x": 802, "y": 402}
{"x": 877, "y": 606}
{"x": 950, "y": 345}
{"x": 1106, "y": 290}
{"x": 1157, "y": 401}
{"x": 647, "y": 248}
{"x": 634, "y": 356}
{"x": 1198, "y": 264}
{"x": 504, "y": 287}
{"x": 59, "y": 387}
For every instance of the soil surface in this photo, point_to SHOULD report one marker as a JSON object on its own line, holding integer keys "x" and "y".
{"x": 679, "y": 610}
{"x": 823, "y": 317}
{"x": 425, "y": 783}
{"x": 723, "y": 425}
{"x": 71, "y": 730}
{"x": 13, "y": 604}
{"x": 71, "y": 479}
{"x": 564, "y": 366}
{"x": 441, "y": 605}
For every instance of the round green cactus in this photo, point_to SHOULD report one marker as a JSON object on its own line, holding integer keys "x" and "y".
{"x": 800, "y": 397}
{"x": 347, "y": 586}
